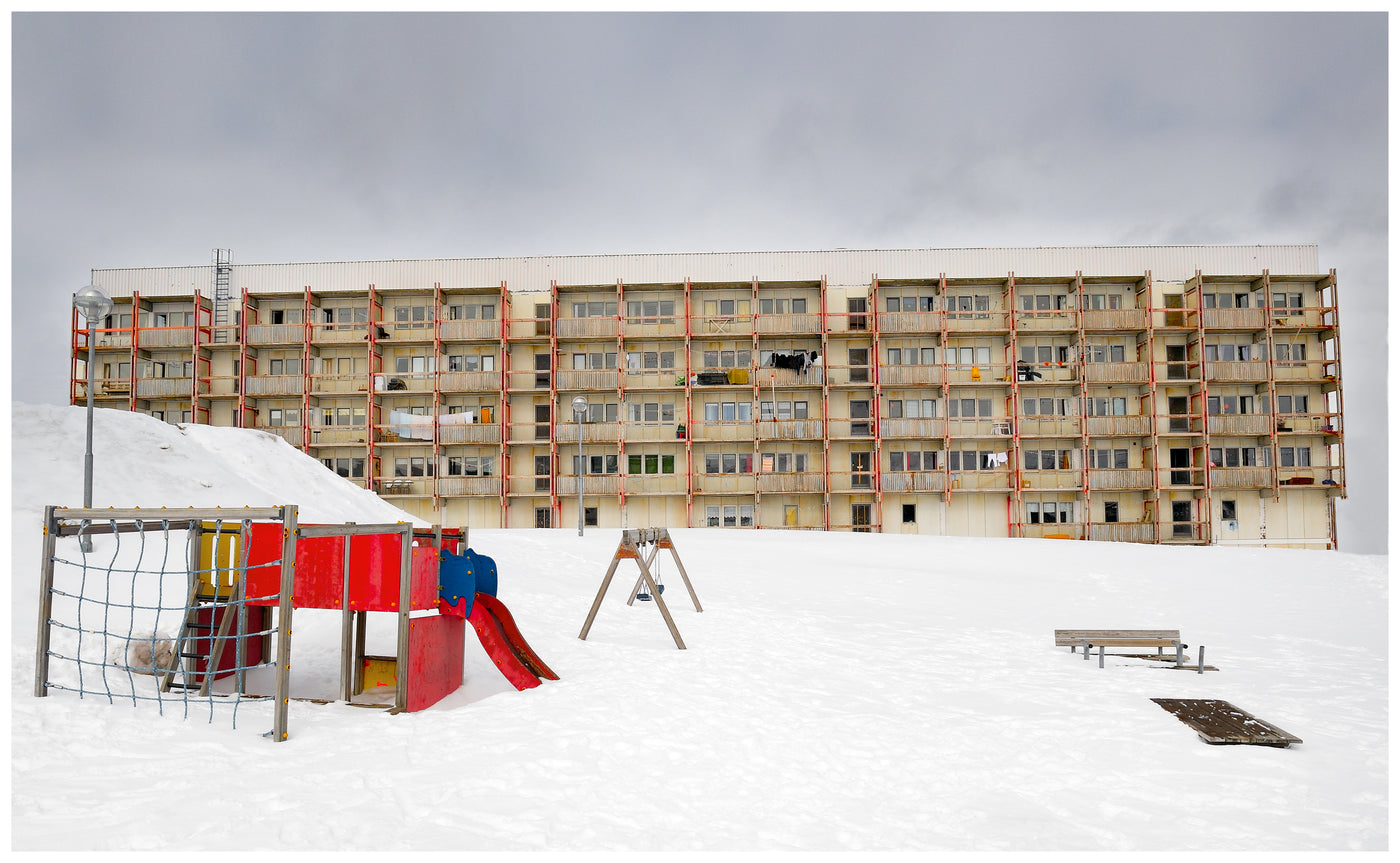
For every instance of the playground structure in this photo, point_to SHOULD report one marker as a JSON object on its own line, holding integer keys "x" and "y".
{"x": 630, "y": 548}
{"x": 245, "y": 571}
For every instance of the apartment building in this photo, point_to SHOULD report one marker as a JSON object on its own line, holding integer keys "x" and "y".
{"x": 1185, "y": 394}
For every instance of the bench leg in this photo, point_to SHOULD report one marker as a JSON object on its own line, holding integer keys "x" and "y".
{"x": 1178, "y": 654}
{"x": 1100, "y": 656}
{"x": 1087, "y": 648}
{"x": 1201, "y": 660}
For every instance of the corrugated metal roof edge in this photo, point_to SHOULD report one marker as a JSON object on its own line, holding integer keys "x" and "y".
{"x": 1313, "y": 246}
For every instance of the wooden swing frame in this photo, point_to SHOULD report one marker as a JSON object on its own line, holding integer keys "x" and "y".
{"x": 630, "y": 548}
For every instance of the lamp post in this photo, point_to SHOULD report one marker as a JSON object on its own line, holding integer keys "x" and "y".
{"x": 94, "y": 304}
{"x": 580, "y": 405}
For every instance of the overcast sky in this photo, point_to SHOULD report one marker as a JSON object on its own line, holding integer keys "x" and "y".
{"x": 151, "y": 139}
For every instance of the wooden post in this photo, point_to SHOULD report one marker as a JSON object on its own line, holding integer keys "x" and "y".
{"x": 284, "y": 623}
{"x": 41, "y": 649}
{"x": 598, "y": 600}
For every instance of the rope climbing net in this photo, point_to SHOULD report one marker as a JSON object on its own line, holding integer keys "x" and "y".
{"x": 152, "y": 606}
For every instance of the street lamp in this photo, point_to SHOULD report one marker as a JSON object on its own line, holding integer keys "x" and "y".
{"x": 580, "y": 405}
{"x": 94, "y": 304}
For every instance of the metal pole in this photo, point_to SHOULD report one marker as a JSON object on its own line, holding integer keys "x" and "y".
{"x": 579, "y": 473}
{"x": 86, "y": 541}
{"x": 1201, "y": 660}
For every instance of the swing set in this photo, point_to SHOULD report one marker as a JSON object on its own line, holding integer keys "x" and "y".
{"x": 648, "y": 587}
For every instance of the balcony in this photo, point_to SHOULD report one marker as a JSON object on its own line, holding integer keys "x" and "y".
{"x": 785, "y": 325}
{"x": 566, "y": 433}
{"x": 588, "y": 380}
{"x": 276, "y": 334}
{"x": 1122, "y": 532}
{"x": 913, "y": 323}
{"x": 1251, "y": 370}
{"x": 488, "y": 433}
{"x": 593, "y": 485}
{"x": 1239, "y": 424}
{"x": 790, "y": 483}
{"x": 469, "y": 382}
{"x": 461, "y": 486}
{"x": 907, "y": 375}
{"x": 1299, "y": 371}
{"x": 281, "y": 385}
{"x": 167, "y": 337}
{"x": 913, "y": 481}
{"x": 1114, "y": 319}
{"x": 164, "y": 388}
{"x": 1234, "y": 319}
{"x": 1105, "y": 479}
{"x": 588, "y": 328}
{"x": 464, "y": 331}
{"x": 1119, "y": 426}
{"x": 808, "y": 429}
{"x": 912, "y": 428}
{"x": 112, "y": 387}
{"x": 1115, "y": 373}
{"x": 1241, "y": 477}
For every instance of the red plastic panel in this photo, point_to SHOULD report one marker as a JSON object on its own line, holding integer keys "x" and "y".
{"x": 374, "y": 571}
{"x": 435, "y": 648}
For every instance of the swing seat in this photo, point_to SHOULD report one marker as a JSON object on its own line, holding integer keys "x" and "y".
{"x": 646, "y": 597}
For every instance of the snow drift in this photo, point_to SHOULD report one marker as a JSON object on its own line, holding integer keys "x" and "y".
{"x": 842, "y": 692}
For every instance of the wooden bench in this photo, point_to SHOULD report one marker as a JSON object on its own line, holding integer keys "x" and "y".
{"x": 1102, "y": 638}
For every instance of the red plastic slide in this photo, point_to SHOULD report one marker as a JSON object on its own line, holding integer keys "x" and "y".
{"x": 496, "y": 630}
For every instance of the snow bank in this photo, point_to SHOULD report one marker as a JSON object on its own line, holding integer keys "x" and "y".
{"x": 841, "y": 692}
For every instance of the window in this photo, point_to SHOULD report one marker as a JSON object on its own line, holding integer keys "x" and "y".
{"x": 412, "y": 317}
{"x": 596, "y": 465}
{"x": 1290, "y": 303}
{"x": 1049, "y": 512}
{"x": 729, "y": 462}
{"x": 969, "y": 407}
{"x": 783, "y": 462}
{"x": 640, "y": 361}
{"x": 1284, "y": 352}
{"x": 1294, "y": 456}
{"x": 913, "y": 460}
{"x": 1110, "y": 512}
{"x": 1233, "y": 456}
{"x": 908, "y": 513}
{"x": 346, "y": 467}
{"x": 1227, "y": 509}
{"x": 650, "y": 463}
{"x": 1292, "y": 404}
{"x": 1102, "y": 459}
{"x": 470, "y": 312}
{"x": 595, "y": 309}
{"x": 590, "y": 516}
{"x": 975, "y": 459}
{"x": 650, "y": 311}
{"x": 1107, "y": 406}
{"x": 1049, "y": 459}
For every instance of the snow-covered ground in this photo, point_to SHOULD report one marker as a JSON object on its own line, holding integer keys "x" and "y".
{"x": 839, "y": 692}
